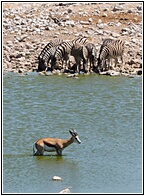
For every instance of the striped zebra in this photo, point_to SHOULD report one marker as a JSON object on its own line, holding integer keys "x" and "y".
{"x": 63, "y": 51}
{"x": 92, "y": 55}
{"x": 112, "y": 49}
{"x": 80, "y": 54}
{"x": 105, "y": 42}
{"x": 47, "y": 54}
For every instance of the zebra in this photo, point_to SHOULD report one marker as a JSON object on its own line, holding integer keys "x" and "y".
{"x": 80, "y": 53}
{"x": 63, "y": 51}
{"x": 92, "y": 55}
{"x": 47, "y": 53}
{"x": 105, "y": 42}
{"x": 112, "y": 49}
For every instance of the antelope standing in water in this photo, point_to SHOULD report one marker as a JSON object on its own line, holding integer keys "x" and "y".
{"x": 54, "y": 144}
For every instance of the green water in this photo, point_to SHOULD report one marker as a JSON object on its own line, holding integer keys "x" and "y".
{"x": 105, "y": 111}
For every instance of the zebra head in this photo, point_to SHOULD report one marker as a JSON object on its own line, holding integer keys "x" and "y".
{"x": 42, "y": 64}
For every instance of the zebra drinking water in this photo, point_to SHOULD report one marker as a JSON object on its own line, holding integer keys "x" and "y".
{"x": 92, "y": 55}
{"x": 63, "y": 51}
{"x": 112, "y": 49}
{"x": 80, "y": 53}
{"x": 47, "y": 53}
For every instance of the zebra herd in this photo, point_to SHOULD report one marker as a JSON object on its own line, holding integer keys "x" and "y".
{"x": 57, "y": 54}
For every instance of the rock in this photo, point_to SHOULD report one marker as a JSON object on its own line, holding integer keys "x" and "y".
{"x": 113, "y": 73}
{"x": 124, "y": 74}
{"x": 65, "y": 191}
{"x": 104, "y": 15}
{"x": 110, "y": 73}
{"x": 100, "y": 26}
{"x": 69, "y": 11}
{"x": 116, "y": 35}
{"x": 42, "y": 73}
{"x": 139, "y": 72}
{"x": 103, "y": 73}
{"x": 20, "y": 70}
{"x": 139, "y": 8}
{"x": 99, "y": 21}
{"x": 73, "y": 75}
{"x": 117, "y": 8}
{"x": 56, "y": 72}
{"x": 90, "y": 20}
{"x": 84, "y": 22}
{"x": 57, "y": 178}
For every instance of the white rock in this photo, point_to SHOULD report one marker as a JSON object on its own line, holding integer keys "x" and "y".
{"x": 104, "y": 15}
{"x": 57, "y": 178}
{"x": 99, "y": 21}
{"x": 84, "y": 22}
{"x": 117, "y": 8}
{"x": 115, "y": 34}
{"x": 113, "y": 73}
{"x": 65, "y": 191}
{"x": 100, "y": 26}
{"x": 90, "y": 20}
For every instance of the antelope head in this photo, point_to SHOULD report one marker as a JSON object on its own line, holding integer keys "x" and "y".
{"x": 75, "y": 136}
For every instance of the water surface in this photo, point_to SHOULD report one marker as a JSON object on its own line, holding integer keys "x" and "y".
{"x": 105, "y": 111}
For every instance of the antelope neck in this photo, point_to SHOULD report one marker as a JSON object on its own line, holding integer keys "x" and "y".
{"x": 68, "y": 142}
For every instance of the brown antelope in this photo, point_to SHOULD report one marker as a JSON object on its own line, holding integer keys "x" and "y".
{"x": 54, "y": 144}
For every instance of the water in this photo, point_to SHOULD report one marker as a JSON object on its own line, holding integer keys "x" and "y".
{"x": 105, "y": 111}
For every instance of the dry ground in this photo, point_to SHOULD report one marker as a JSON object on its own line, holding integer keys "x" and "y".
{"x": 78, "y": 12}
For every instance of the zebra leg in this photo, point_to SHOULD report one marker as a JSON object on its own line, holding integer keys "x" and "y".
{"x": 122, "y": 59}
{"x": 85, "y": 65}
{"x": 89, "y": 63}
{"x": 69, "y": 66}
{"x": 116, "y": 61}
{"x": 62, "y": 61}
{"x": 104, "y": 65}
{"x": 79, "y": 67}
{"x": 109, "y": 62}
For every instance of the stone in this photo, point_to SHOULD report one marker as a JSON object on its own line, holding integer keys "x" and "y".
{"x": 139, "y": 72}
{"x": 90, "y": 20}
{"x": 101, "y": 26}
{"x": 20, "y": 70}
{"x": 99, "y": 21}
{"x": 113, "y": 73}
{"x": 84, "y": 22}
{"x": 57, "y": 178}
{"x": 104, "y": 15}
{"x": 65, "y": 191}
{"x": 117, "y": 8}
{"x": 115, "y": 34}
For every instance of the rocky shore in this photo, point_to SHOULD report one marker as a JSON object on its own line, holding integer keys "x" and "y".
{"x": 28, "y": 27}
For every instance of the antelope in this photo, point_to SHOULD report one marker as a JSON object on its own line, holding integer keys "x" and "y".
{"x": 54, "y": 144}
